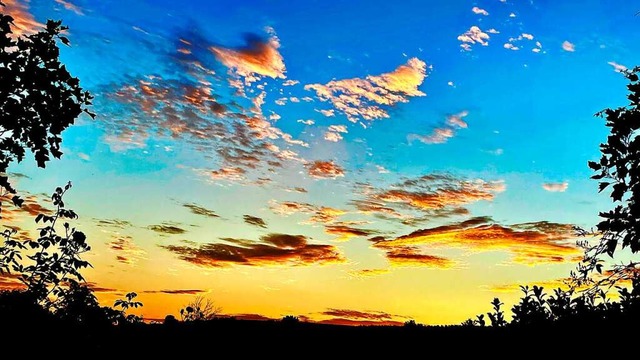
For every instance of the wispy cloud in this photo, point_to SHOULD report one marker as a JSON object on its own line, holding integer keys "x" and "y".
{"x": 617, "y": 67}
{"x": 167, "y": 229}
{"x": 175, "y": 291}
{"x": 368, "y": 98}
{"x": 127, "y": 252}
{"x": 255, "y": 221}
{"x": 412, "y": 256}
{"x": 70, "y": 6}
{"x": 360, "y": 318}
{"x": 200, "y": 210}
{"x": 442, "y": 134}
{"x": 346, "y": 231}
{"x": 23, "y": 21}
{"x": 271, "y": 250}
{"x": 556, "y": 187}
{"x": 324, "y": 169}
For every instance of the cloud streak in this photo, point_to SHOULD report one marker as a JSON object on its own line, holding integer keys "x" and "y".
{"x": 272, "y": 250}
{"x": 528, "y": 243}
{"x": 556, "y": 187}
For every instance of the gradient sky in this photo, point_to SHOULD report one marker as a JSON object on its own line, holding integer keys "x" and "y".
{"x": 343, "y": 161}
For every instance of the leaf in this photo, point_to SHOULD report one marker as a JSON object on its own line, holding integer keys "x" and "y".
{"x": 65, "y": 40}
{"x": 602, "y": 186}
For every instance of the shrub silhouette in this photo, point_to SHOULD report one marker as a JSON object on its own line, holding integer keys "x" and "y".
{"x": 200, "y": 309}
{"x": 38, "y": 96}
{"x": 290, "y": 319}
{"x": 49, "y": 267}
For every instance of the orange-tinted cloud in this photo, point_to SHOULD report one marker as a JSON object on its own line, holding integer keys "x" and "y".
{"x": 364, "y": 98}
{"x": 272, "y": 250}
{"x": 548, "y": 285}
{"x": 23, "y": 21}
{"x": 324, "y": 169}
{"x": 127, "y": 252}
{"x": 411, "y": 256}
{"x": 365, "y": 273}
{"x": 528, "y": 243}
{"x": 345, "y": 232}
{"x": 175, "y": 291}
{"x": 556, "y": 187}
{"x": 356, "y": 318}
{"x": 10, "y": 281}
{"x": 443, "y": 195}
{"x": 30, "y": 207}
{"x": 319, "y": 214}
{"x": 70, "y": 6}
{"x": 258, "y": 58}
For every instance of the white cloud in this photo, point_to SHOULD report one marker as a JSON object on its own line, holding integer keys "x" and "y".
{"x": 567, "y": 46}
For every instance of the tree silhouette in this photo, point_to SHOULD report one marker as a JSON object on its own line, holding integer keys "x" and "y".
{"x": 618, "y": 170}
{"x": 200, "y": 309}
{"x": 38, "y": 96}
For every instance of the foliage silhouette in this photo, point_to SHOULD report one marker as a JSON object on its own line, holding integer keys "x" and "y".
{"x": 618, "y": 170}
{"x": 38, "y": 96}
{"x": 49, "y": 267}
{"x": 200, "y": 309}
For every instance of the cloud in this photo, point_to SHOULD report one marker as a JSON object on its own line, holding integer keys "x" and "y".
{"x": 442, "y": 134}
{"x": 319, "y": 214}
{"x": 437, "y": 191}
{"x": 617, "y": 67}
{"x": 191, "y": 104}
{"x": 473, "y": 36}
{"x": 346, "y": 232}
{"x": 167, "y": 229}
{"x": 256, "y": 221}
{"x": 479, "y": 11}
{"x": 511, "y": 44}
{"x": 258, "y": 58}
{"x": 567, "y": 46}
{"x": 113, "y": 223}
{"x": 334, "y": 131}
{"x": 199, "y": 210}
{"x": 175, "y": 291}
{"x": 30, "y": 207}
{"x": 23, "y": 21}
{"x": 70, "y": 6}
{"x": 127, "y": 252}
{"x": 360, "y": 318}
{"x": 271, "y": 250}
{"x": 10, "y": 281}
{"x": 549, "y": 285}
{"x": 556, "y": 187}
{"x": 365, "y": 273}
{"x": 528, "y": 243}
{"x": 324, "y": 169}
{"x": 359, "y": 98}
{"x": 411, "y": 256}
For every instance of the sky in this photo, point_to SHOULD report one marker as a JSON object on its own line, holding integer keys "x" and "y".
{"x": 352, "y": 162}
